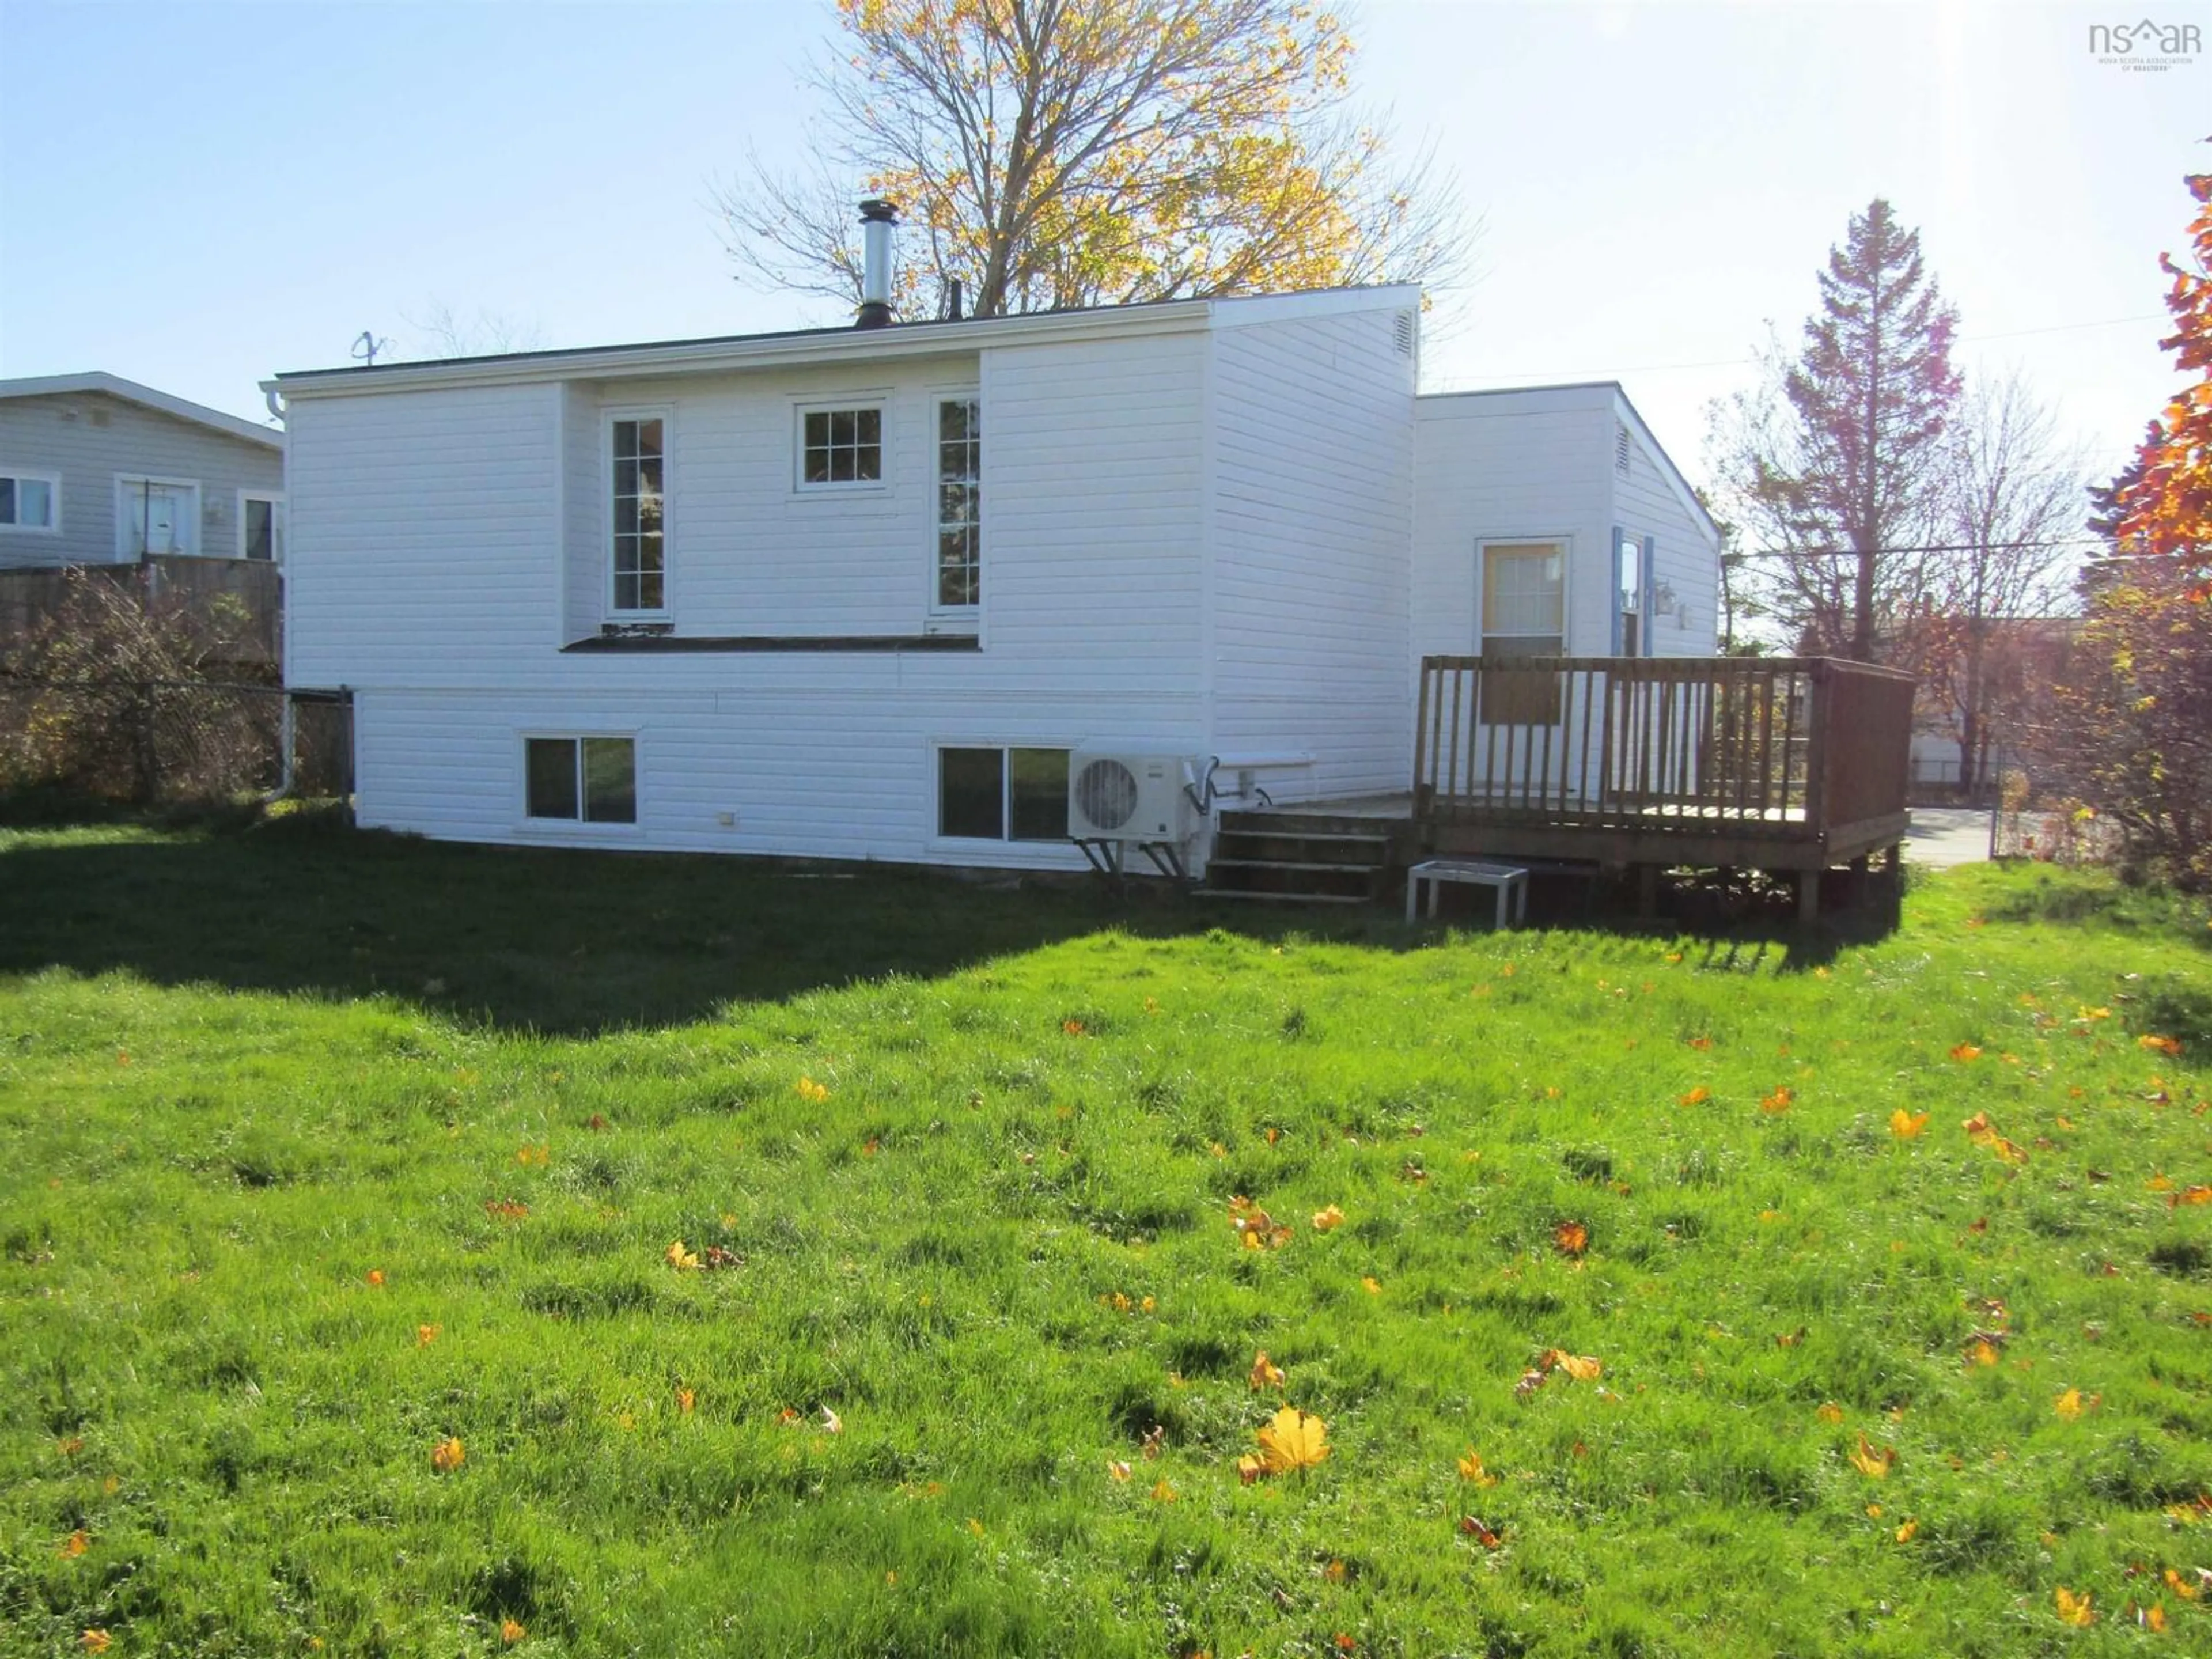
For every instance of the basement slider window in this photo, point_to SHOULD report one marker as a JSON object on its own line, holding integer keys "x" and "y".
{"x": 1002, "y": 794}
{"x": 581, "y": 780}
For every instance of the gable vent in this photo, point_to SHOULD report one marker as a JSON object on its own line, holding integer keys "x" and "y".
{"x": 1403, "y": 333}
{"x": 1623, "y": 450}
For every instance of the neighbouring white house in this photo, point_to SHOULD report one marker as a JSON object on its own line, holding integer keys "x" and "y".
{"x": 863, "y": 592}
{"x": 97, "y": 470}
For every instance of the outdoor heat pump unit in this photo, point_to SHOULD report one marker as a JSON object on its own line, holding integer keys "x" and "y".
{"x": 1129, "y": 797}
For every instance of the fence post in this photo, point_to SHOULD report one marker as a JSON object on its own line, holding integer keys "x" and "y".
{"x": 147, "y": 769}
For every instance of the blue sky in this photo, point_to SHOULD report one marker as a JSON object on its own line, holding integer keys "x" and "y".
{"x": 195, "y": 196}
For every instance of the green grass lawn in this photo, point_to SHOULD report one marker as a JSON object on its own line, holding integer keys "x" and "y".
{"x": 319, "y": 1152}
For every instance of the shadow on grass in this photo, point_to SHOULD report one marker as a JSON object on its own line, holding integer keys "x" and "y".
{"x": 559, "y": 941}
{"x": 572, "y": 942}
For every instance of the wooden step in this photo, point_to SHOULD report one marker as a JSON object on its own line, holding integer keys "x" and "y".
{"x": 1243, "y": 896}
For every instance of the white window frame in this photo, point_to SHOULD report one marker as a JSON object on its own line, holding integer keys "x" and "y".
{"x": 1006, "y": 751}
{"x": 19, "y": 475}
{"x": 1482, "y": 628}
{"x": 958, "y": 616}
{"x": 125, "y": 481}
{"x": 276, "y": 525}
{"x": 666, "y": 416}
{"x": 850, "y": 403}
{"x": 579, "y": 825}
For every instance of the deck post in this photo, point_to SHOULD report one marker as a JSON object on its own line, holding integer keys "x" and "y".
{"x": 1808, "y": 897}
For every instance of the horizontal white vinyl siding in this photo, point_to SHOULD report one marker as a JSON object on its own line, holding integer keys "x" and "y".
{"x": 424, "y": 536}
{"x": 1688, "y": 561}
{"x": 1093, "y": 476}
{"x": 820, "y": 771}
{"x": 1509, "y": 466}
{"x": 1312, "y": 519}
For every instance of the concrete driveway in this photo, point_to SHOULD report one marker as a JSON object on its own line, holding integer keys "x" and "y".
{"x": 1941, "y": 836}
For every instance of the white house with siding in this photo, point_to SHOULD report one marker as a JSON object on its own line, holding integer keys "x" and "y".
{"x": 859, "y": 593}
{"x": 97, "y": 470}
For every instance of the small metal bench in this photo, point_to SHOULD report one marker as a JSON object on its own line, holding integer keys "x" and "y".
{"x": 1509, "y": 882}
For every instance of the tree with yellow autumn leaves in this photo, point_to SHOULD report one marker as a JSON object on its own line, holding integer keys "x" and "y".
{"x": 1050, "y": 154}
{"x": 2134, "y": 724}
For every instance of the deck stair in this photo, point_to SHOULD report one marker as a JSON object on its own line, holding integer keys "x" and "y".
{"x": 1288, "y": 858}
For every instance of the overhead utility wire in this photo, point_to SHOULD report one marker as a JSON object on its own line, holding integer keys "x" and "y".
{"x": 1741, "y": 362}
{"x": 1920, "y": 547}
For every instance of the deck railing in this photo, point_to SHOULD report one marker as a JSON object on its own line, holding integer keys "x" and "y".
{"x": 1793, "y": 744}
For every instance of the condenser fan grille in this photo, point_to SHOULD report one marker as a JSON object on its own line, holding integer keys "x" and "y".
{"x": 1106, "y": 793}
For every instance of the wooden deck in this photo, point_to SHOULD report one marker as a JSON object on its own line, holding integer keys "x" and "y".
{"x": 1773, "y": 764}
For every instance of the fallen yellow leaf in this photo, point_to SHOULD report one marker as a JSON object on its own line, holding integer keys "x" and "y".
{"x": 2075, "y": 1609}
{"x": 446, "y": 1455}
{"x": 1328, "y": 1221}
{"x": 1874, "y": 1465}
{"x": 1293, "y": 1441}
{"x": 1830, "y": 1413}
{"x": 1265, "y": 1374}
{"x": 1907, "y": 1531}
{"x": 2069, "y": 1405}
{"x": 1905, "y": 1125}
{"x": 1470, "y": 1468}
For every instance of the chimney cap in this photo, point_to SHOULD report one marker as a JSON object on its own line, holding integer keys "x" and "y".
{"x": 876, "y": 210}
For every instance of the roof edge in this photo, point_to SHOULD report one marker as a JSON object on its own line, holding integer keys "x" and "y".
{"x": 744, "y": 351}
{"x": 114, "y": 385}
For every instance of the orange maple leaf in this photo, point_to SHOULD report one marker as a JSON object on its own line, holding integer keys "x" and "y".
{"x": 1572, "y": 1236}
{"x": 1982, "y": 1352}
{"x": 2170, "y": 1047}
{"x": 1982, "y": 1133}
{"x": 447, "y": 1455}
{"x": 1163, "y": 1492}
{"x": 1328, "y": 1221}
{"x": 686, "y": 1399}
{"x": 376, "y": 1276}
{"x": 1696, "y": 1097}
{"x": 1265, "y": 1374}
{"x": 1777, "y": 1103}
{"x": 1965, "y": 1051}
{"x": 2191, "y": 1195}
{"x": 94, "y": 1640}
{"x": 1905, "y": 1125}
{"x": 1906, "y": 1533}
{"x": 77, "y": 1543}
{"x": 1830, "y": 1412}
{"x": 1583, "y": 1368}
{"x": 511, "y": 1632}
{"x": 425, "y": 1335}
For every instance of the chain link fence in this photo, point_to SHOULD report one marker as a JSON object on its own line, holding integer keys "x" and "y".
{"x": 167, "y": 741}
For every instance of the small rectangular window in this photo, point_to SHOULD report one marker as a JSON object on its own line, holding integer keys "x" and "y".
{"x": 261, "y": 526}
{"x": 26, "y": 501}
{"x": 1002, "y": 794}
{"x": 639, "y": 498}
{"x": 842, "y": 445}
{"x": 581, "y": 780}
{"x": 959, "y": 502}
{"x": 1628, "y": 559}
{"x": 1523, "y": 614}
